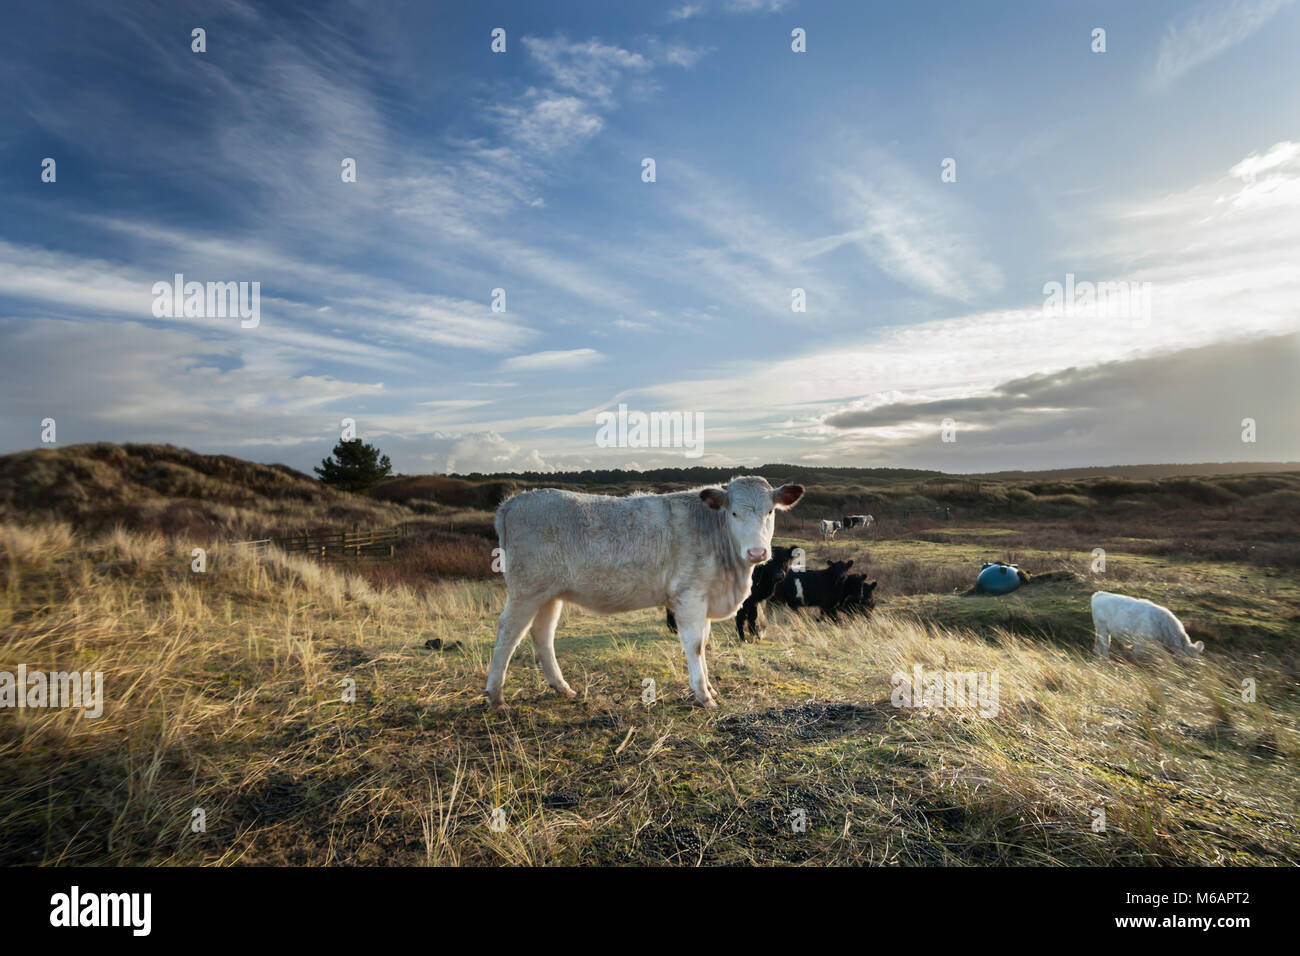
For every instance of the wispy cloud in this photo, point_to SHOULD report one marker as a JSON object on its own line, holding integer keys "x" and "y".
{"x": 909, "y": 232}
{"x": 679, "y": 54}
{"x": 457, "y": 403}
{"x": 549, "y": 123}
{"x": 1208, "y": 31}
{"x": 755, "y": 6}
{"x": 1282, "y": 156}
{"x": 552, "y": 359}
{"x": 688, "y": 10}
{"x": 589, "y": 67}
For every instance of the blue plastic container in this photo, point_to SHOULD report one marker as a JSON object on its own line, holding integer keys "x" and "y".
{"x": 997, "y": 579}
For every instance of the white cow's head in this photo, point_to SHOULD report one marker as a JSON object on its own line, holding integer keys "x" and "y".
{"x": 749, "y": 505}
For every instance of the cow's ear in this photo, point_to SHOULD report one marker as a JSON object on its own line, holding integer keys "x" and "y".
{"x": 787, "y": 495}
{"x": 715, "y": 498}
{"x": 872, "y": 584}
{"x": 848, "y": 564}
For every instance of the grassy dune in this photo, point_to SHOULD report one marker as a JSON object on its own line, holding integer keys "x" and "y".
{"x": 225, "y": 693}
{"x": 177, "y": 492}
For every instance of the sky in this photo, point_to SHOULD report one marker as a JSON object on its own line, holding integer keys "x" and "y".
{"x": 937, "y": 185}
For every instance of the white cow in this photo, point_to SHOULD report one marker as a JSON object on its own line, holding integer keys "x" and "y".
{"x": 859, "y": 521}
{"x": 689, "y": 551}
{"x": 1140, "y": 621}
{"x": 829, "y": 528}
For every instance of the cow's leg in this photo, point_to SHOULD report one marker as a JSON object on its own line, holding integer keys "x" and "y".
{"x": 741, "y": 617}
{"x": 544, "y": 642}
{"x": 513, "y": 624}
{"x": 693, "y": 631}
{"x": 1101, "y": 644}
{"x": 704, "y": 660}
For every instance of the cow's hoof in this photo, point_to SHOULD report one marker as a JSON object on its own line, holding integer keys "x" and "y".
{"x": 498, "y": 706}
{"x": 708, "y": 703}
{"x": 713, "y": 691}
{"x": 565, "y": 691}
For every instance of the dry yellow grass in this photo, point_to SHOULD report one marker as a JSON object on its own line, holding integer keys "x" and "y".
{"x": 225, "y": 694}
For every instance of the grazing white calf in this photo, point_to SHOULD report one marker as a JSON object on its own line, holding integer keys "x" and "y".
{"x": 690, "y": 551}
{"x": 1140, "y": 621}
{"x": 829, "y": 528}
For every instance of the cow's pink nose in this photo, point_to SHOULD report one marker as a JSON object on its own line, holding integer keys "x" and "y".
{"x": 756, "y": 554}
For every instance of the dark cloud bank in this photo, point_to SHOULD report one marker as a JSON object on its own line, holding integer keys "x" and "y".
{"x": 1179, "y": 407}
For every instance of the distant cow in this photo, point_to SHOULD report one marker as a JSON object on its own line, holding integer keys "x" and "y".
{"x": 691, "y": 551}
{"x": 763, "y": 582}
{"x": 828, "y": 528}
{"x": 858, "y": 521}
{"x": 1139, "y": 620}
{"x": 859, "y": 596}
{"x": 823, "y": 589}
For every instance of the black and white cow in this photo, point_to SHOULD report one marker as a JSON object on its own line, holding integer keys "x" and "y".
{"x": 859, "y": 596}
{"x": 690, "y": 551}
{"x": 858, "y": 521}
{"x": 763, "y": 584}
{"x": 822, "y": 589}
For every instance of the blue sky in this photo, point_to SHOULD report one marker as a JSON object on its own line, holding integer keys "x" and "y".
{"x": 1172, "y": 159}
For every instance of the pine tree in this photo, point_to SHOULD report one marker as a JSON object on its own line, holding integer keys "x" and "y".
{"x": 355, "y": 466}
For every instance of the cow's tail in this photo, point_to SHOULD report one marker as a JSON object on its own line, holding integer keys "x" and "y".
{"x": 499, "y": 523}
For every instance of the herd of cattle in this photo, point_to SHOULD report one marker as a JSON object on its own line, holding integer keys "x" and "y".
{"x": 704, "y": 555}
{"x": 832, "y": 590}
{"x": 829, "y": 527}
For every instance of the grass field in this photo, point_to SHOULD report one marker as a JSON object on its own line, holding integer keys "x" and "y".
{"x": 225, "y": 694}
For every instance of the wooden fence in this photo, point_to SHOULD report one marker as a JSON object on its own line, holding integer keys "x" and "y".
{"x": 333, "y": 545}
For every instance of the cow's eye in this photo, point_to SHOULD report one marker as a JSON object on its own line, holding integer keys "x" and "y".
{"x": 735, "y": 514}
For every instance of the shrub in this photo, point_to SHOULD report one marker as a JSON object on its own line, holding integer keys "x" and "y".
{"x": 1198, "y": 490}
{"x": 1119, "y": 487}
{"x": 354, "y": 466}
{"x": 1058, "y": 503}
